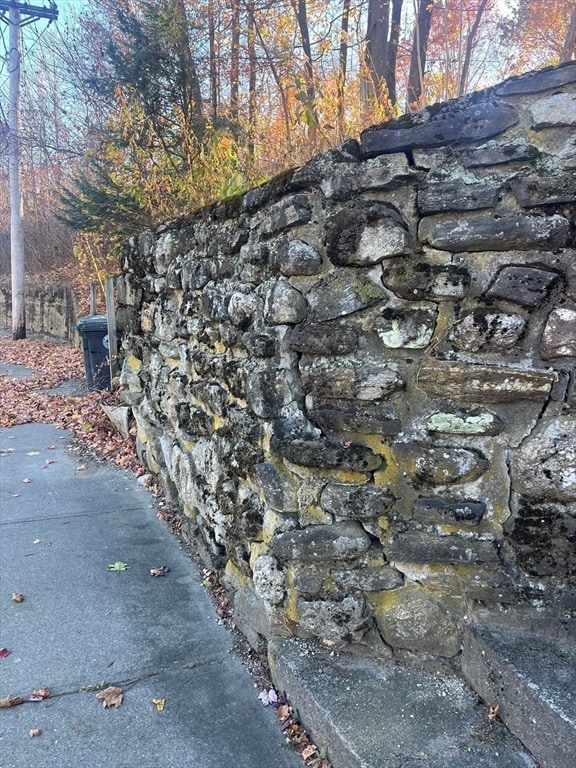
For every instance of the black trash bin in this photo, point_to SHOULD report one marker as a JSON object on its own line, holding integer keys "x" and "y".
{"x": 93, "y": 331}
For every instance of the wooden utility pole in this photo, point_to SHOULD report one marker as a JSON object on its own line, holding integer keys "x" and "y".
{"x": 18, "y": 16}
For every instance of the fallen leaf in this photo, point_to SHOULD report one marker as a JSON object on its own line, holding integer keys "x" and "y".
{"x": 33, "y": 453}
{"x": 310, "y": 750}
{"x": 10, "y": 701}
{"x": 160, "y": 570}
{"x": 111, "y": 697}
{"x": 35, "y": 732}
{"x": 118, "y": 566}
{"x": 284, "y": 712}
{"x": 159, "y": 704}
{"x": 26, "y": 480}
{"x": 18, "y": 597}
{"x": 493, "y": 713}
{"x": 38, "y": 694}
{"x": 268, "y": 697}
{"x": 4, "y": 652}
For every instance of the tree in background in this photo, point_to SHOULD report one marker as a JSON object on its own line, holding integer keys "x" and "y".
{"x": 141, "y": 110}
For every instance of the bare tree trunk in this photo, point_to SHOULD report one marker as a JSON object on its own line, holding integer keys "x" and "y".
{"x": 343, "y": 65}
{"x": 252, "y": 63}
{"x": 418, "y": 56}
{"x": 376, "y": 50}
{"x": 191, "y": 82}
{"x": 393, "y": 49}
{"x": 569, "y": 46}
{"x": 470, "y": 41}
{"x": 213, "y": 62}
{"x": 310, "y": 106}
{"x": 235, "y": 61}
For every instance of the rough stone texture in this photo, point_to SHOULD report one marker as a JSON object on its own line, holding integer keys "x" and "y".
{"x": 455, "y": 196}
{"x": 559, "y": 337}
{"x": 323, "y": 454}
{"x": 484, "y": 330}
{"x": 531, "y": 191}
{"x": 349, "y": 416}
{"x": 544, "y": 466}
{"x": 330, "y": 338}
{"x": 340, "y": 541}
{"x": 268, "y": 580}
{"x": 422, "y": 547}
{"x": 435, "y": 510}
{"x": 417, "y": 622}
{"x": 338, "y": 621}
{"x": 523, "y": 285}
{"x": 483, "y": 383}
{"x": 487, "y": 233}
{"x": 355, "y": 382}
{"x": 439, "y": 466}
{"x": 438, "y": 125}
{"x": 552, "y": 111}
{"x": 355, "y": 502}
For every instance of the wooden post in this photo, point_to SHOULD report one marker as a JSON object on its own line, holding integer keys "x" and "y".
{"x": 111, "y": 316}
{"x": 93, "y": 298}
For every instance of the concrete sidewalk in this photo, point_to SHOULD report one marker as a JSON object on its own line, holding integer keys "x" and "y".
{"x": 81, "y": 625}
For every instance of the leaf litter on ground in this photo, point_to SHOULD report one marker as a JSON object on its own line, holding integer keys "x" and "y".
{"x": 25, "y": 401}
{"x": 111, "y": 697}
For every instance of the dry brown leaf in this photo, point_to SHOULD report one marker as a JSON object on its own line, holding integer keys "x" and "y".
{"x": 35, "y": 732}
{"x": 40, "y": 693}
{"x": 493, "y": 713}
{"x": 10, "y": 701}
{"x": 18, "y": 597}
{"x": 111, "y": 696}
{"x": 283, "y": 712}
{"x": 159, "y": 704}
{"x": 159, "y": 570}
{"x": 310, "y": 750}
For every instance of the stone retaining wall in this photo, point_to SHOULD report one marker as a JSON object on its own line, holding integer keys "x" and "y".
{"x": 357, "y": 381}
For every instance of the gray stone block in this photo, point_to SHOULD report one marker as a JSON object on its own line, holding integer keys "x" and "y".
{"x": 447, "y": 123}
{"x": 483, "y": 383}
{"x": 356, "y": 502}
{"x": 317, "y": 543}
{"x": 435, "y": 510}
{"x": 425, "y": 547}
{"x": 325, "y": 454}
{"x": 455, "y": 196}
{"x": 488, "y": 233}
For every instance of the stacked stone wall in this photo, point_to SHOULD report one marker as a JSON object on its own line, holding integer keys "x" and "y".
{"x": 357, "y": 381}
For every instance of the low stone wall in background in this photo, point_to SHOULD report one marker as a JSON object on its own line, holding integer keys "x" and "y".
{"x": 357, "y": 381}
{"x": 50, "y": 309}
